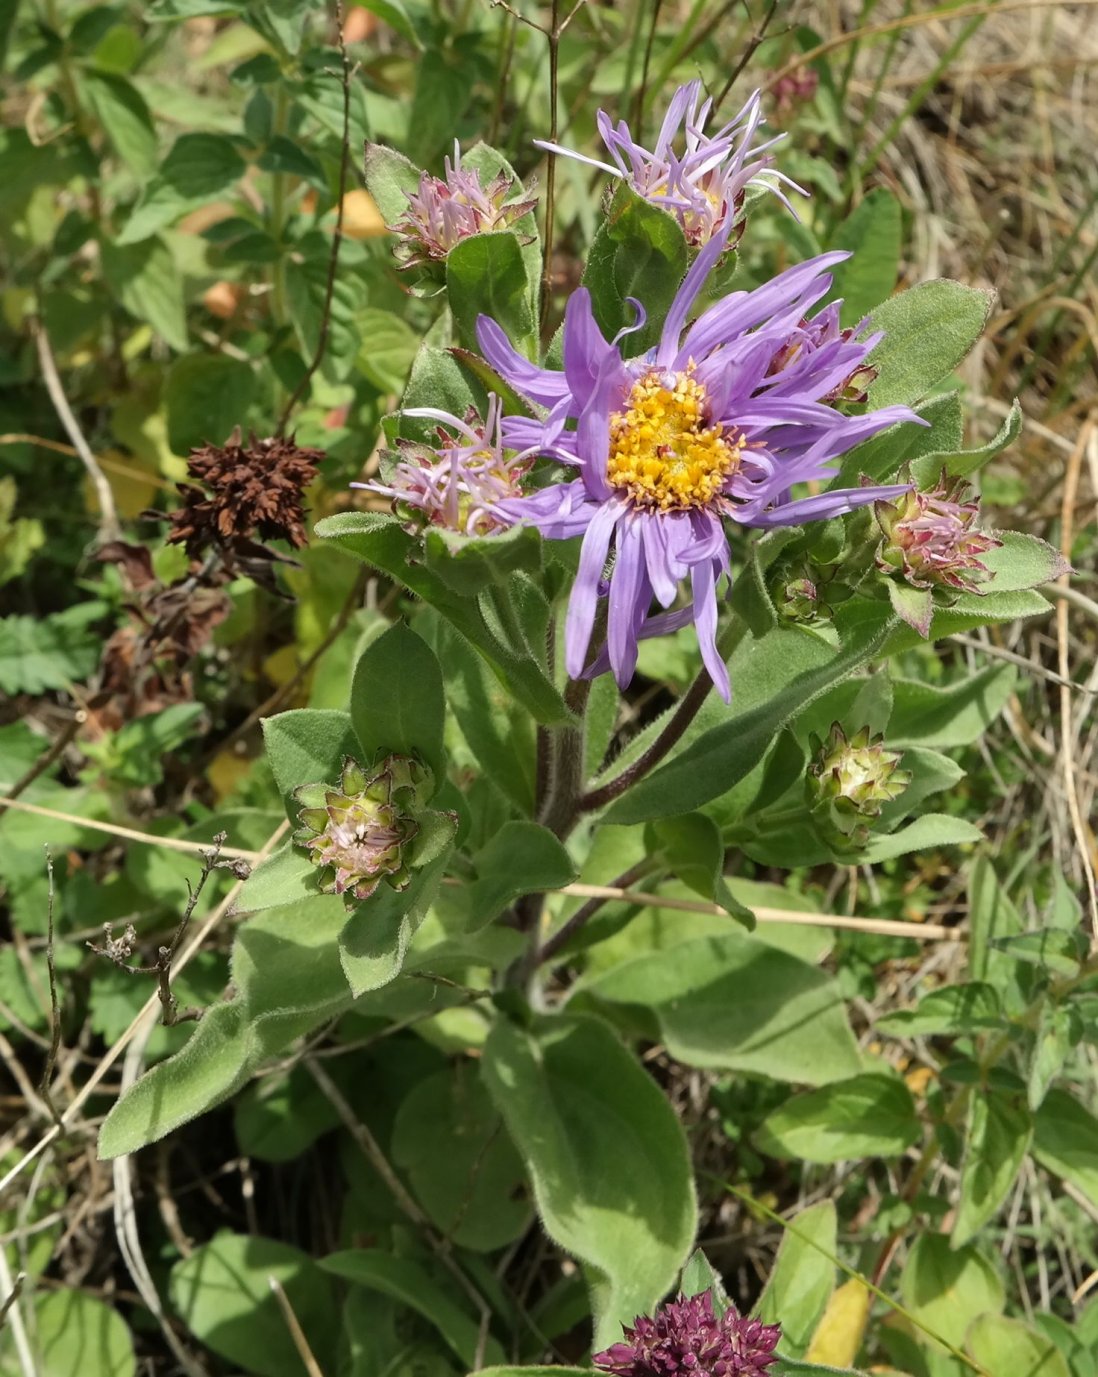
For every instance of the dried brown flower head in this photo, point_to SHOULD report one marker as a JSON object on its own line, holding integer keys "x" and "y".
{"x": 246, "y": 490}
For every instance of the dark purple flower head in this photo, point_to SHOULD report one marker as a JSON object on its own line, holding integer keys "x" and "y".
{"x": 458, "y": 483}
{"x": 668, "y": 447}
{"x": 685, "y": 1338}
{"x": 445, "y": 210}
{"x": 930, "y": 538}
{"x": 704, "y": 185}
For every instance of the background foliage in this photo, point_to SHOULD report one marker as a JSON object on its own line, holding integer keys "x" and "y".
{"x": 893, "y": 1139}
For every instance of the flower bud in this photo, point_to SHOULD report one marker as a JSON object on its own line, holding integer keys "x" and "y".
{"x": 930, "y": 540}
{"x": 444, "y": 211}
{"x": 361, "y": 830}
{"x": 848, "y": 782}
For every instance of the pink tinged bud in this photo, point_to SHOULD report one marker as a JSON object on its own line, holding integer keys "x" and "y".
{"x": 358, "y": 832}
{"x": 446, "y": 210}
{"x": 459, "y": 483}
{"x": 930, "y": 540}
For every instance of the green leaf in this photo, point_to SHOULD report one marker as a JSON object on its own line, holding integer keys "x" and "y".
{"x": 1014, "y": 1349}
{"x": 206, "y": 396}
{"x": 928, "y": 331}
{"x": 693, "y": 849}
{"x": 871, "y": 234}
{"x": 803, "y": 1276}
{"x": 406, "y": 1282}
{"x": 606, "y": 1154}
{"x": 211, "y": 1066}
{"x": 1058, "y": 1030}
{"x": 486, "y": 275}
{"x": 738, "y": 1003}
{"x": 1023, "y": 561}
{"x": 389, "y": 345}
{"x": 390, "y": 179}
{"x": 927, "y": 468}
{"x": 789, "y": 670}
{"x": 120, "y": 108}
{"x": 146, "y": 280}
{"x": 639, "y": 251}
{"x": 73, "y": 1335}
{"x": 306, "y": 273}
{"x": 374, "y": 941}
{"x": 992, "y": 916}
{"x": 952, "y": 1011}
{"x": 968, "y": 612}
{"x": 380, "y": 542}
{"x": 397, "y": 701}
{"x": 200, "y": 168}
{"x": 699, "y": 1276}
{"x": 870, "y": 1115}
{"x": 307, "y": 746}
{"x": 223, "y": 1294}
{"x": 521, "y": 858}
{"x": 286, "y": 874}
{"x": 957, "y": 715}
{"x": 929, "y": 830}
{"x": 1052, "y": 949}
{"x": 279, "y": 1116}
{"x": 38, "y": 654}
{"x": 882, "y": 456}
{"x": 945, "y": 1288}
{"x": 500, "y": 736}
{"x": 440, "y": 99}
{"x": 476, "y": 1191}
{"x": 998, "y": 1136}
{"x": 1065, "y": 1142}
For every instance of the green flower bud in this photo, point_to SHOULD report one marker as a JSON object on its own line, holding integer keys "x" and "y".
{"x": 360, "y": 831}
{"x": 847, "y": 783}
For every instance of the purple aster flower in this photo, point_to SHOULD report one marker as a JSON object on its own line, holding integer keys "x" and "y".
{"x": 705, "y": 185}
{"x": 841, "y": 347}
{"x": 669, "y": 446}
{"x": 459, "y": 483}
{"x": 443, "y": 211}
{"x": 685, "y": 1336}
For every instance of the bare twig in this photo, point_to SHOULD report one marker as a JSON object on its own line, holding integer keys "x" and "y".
{"x": 301, "y": 1343}
{"x": 115, "y": 1051}
{"x": 748, "y": 52}
{"x": 337, "y": 236}
{"x": 119, "y": 949}
{"x": 109, "y": 528}
{"x": 46, "y": 759}
{"x": 125, "y": 833}
{"x": 10, "y": 1314}
{"x": 55, "y": 1012}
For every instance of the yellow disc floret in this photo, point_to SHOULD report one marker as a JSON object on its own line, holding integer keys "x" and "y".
{"x": 662, "y": 451}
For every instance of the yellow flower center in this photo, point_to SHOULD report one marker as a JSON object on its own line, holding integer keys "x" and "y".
{"x": 662, "y": 452}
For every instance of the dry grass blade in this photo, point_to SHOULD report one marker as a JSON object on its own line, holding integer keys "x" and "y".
{"x": 127, "y": 833}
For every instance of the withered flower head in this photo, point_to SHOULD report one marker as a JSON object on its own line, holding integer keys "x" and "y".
{"x": 246, "y": 490}
{"x": 686, "y": 1338}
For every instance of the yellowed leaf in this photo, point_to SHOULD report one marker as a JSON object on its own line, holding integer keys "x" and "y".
{"x": 225, "y": 772}
{"x": 361, "y": 217}
{"x": 839, "y": 1334}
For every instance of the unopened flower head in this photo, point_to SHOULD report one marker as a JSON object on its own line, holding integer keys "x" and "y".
{"x": 686, "y": 1338}
{"x": 701, "y": 178}
{"x": 668, "y": 447}
{"x": 930, "y": 538}
{"x": 359, "y": 831}
{"x": 446, "y": 210}
{"x": 459, "y": 483}
{"x": 840, "y": 348}
{"x": 850, "y": 780}
{"x": 795, "y": 88}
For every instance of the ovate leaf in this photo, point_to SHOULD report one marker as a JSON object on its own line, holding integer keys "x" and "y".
{"x": 397, "y": 701}
{"x": 803, "y": 1276}
{"x": 606, "y": 1154}
{"x": 867, "y": 1116}
{"x": 928, "y": 331}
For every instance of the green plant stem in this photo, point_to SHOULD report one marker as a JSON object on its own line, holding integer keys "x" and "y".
{"x": 278, "y": 212}
{"x": 561, "y": 808}
{"x": 689, "y": 706}
{"x": 552, "y": 36}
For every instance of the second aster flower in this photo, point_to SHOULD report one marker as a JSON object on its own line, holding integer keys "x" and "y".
{"x": 686, "y": 1336}
{"x": 705, "y": 184}
{"x": 460, "y": 481}
{"x": 668, "y": 447}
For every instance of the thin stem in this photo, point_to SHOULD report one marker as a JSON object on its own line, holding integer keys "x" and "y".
{"x": 337, "y": 236}
{"x": 748, "y": 51}
{"x": 552, "y": 35}
{"x": 55, "y": 1011}
{"x": 587, "y": 911}
{"x": 642, "y": 89}
{"x": 562, "y": 805}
